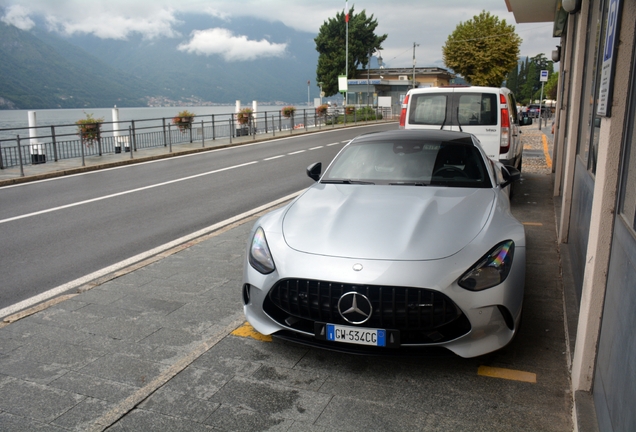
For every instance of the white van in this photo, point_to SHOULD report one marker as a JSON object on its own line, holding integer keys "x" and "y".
{"x": 489, "y": 113}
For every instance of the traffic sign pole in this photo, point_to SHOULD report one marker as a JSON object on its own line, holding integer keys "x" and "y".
{"x": 543, "y": 78}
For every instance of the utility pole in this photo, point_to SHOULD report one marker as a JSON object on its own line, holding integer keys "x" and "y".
{"x": 347, "y": 49}
{"x": 414, "y": 45}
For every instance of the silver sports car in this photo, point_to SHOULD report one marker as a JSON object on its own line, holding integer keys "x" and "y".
{"x": 405, "y": 241}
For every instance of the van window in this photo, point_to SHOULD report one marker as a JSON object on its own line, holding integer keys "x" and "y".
{"x": 477, "y": 109}
{"x": 428, "y": 109}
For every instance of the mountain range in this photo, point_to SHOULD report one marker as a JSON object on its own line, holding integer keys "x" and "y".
{"x": 42, "y": 69}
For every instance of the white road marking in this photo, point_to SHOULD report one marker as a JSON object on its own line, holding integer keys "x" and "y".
{"x": 123, "y": 193}
{"x": 274, "y": 157}
{"x": 316, "y": 148}
{"x": 297, "y": 152}
{"x": 140, "y": 257}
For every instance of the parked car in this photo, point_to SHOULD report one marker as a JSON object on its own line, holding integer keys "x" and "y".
{"x": 489, "y": 113}
{"x": 533, "y": 111}
{"x": 405, "y": 241}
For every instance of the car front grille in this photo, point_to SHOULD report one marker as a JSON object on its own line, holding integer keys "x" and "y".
{"x": 422, "y": 316}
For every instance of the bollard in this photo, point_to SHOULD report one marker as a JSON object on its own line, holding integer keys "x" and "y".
{"x": 115, "y": 118}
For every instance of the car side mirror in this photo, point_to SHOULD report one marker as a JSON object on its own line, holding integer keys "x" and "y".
{"x": 314, "y": 171}
{"x": 510, "y": 175}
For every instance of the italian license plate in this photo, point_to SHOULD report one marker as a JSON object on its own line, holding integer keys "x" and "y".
{"x": 356, "y": 335}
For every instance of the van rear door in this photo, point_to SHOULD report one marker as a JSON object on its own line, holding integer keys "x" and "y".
{"x": 477, "y": 113}
{"x": 430, "y": 110}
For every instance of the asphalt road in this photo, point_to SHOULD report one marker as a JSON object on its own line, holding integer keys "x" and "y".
{"x": 56, "y": 231}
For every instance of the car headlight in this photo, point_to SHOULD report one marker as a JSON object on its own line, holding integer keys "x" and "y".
{"x": 260, "y": 256}
{"x": 492, "y": 269}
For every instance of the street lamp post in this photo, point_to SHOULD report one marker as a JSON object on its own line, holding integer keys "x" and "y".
{"x": 414, "y": 45}
{"x": 320, "y": 83}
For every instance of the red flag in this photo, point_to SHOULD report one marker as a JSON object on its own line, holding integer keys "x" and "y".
{"x": 347, "y": 17}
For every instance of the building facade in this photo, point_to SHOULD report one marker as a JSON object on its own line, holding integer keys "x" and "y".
{"x": 595, "y": 192}
{"x": 369, "y": 84}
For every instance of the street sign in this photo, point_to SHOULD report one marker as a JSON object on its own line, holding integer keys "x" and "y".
{"x": 544, "y": 76}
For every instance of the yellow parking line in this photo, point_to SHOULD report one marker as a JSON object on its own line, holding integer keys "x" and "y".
{"x": 508, "y": 374}
{"x": 246, "y": 330}
{"x": 532, "y": 223}
{"x": 548, "y": 159}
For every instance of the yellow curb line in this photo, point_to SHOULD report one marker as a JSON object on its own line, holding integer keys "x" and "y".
{"x": 548, "y": 159}
{"x": 532, "y": 223}
{"x": 508, "y": 374}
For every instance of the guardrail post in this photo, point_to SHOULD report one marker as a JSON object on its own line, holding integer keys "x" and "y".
{"x": 130, "y": 135}
{"x": 170, "y": 137}
{"x": 202, "y": 135}
{"x": 82, "y": 151}
{"x": 20, "y": 158}
{"x": 54, "y": 143}
{"x": 213, "y": 131}
{"x": 99, "y": 139}
{"x": 1, "y": 164}
{"x": 231, "y": 124}
{"x": 305, "y": 118}
{"x": 134, "y": 137}
{"x": 273, "y": 126}
{"x": 163, "y": 129}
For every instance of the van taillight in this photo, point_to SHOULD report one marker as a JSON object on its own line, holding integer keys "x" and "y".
{"x": 405, "y": 105}
{"x": 504, "y": 145}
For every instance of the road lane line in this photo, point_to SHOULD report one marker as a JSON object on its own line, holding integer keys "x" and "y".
{"x": 124, "y": 193}
{"x": 274, "y": 157}
{"x": 9, "y": 310}
{"x": 297, "y": 152}
{"x": 316, "y": 148}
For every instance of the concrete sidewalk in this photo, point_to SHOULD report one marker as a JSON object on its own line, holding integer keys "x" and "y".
{"x": 162, "y": 346}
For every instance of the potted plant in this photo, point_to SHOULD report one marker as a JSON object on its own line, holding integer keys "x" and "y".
{"x": 244, "y": 115}
{"x": 183, "y": 120}
{"x": 89, "y": 129}
{"x": 288, "y": 111}
{"x": 243, "y": 118}
{"x": 321, "y": 110}
{"x": 350, "y": 109}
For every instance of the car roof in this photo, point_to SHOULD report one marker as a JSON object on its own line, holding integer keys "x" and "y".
{"x": 418, "y": 134}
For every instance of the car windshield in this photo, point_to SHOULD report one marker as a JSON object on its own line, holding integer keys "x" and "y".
{"x": 409, "y": 163}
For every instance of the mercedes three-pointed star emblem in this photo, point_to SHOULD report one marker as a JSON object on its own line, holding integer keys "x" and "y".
{"x": 355, "y": 308}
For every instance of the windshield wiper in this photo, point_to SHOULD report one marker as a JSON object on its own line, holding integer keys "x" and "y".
{"x": 408, "y": 184}
{"x": 346, "y": 181}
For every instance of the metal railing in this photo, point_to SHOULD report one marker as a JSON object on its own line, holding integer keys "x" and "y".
{"x": 65, "y": 141}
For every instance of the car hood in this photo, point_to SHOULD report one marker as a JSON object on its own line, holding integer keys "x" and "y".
{"x": 386, "y": 222}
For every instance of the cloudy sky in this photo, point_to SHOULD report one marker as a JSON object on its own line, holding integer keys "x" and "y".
{"x": 426, "y": 22}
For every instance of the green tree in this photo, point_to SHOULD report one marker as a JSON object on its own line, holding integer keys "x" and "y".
{"x": 331, "y": 46}
{"x": 512, "y": 80}
{"x": 551, "y": 86}
{"x": 483, "y": 50}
